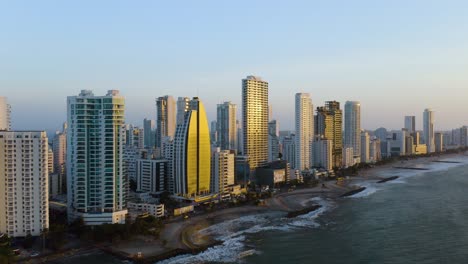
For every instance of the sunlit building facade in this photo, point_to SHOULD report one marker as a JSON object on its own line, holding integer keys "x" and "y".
{"x": 192, "y": 153}
{"x": 255, "y": 120}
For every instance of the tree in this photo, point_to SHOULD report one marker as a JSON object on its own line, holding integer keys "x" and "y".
{"x": 28, "y": 241}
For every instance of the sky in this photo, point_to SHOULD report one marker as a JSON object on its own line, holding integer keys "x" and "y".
{"x": 395, "y": 57}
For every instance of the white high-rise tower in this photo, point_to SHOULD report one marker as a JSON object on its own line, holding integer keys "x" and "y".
{"x": 24, "y": 183}
{"x": 5, "y": 121}
{"x": 429, "y": 130}
{"x": 97, "y": 187}
{"x": 304, "y": 131}
{"x": 352, "y": 129}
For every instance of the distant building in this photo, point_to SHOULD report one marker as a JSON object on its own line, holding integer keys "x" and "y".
{"x": 365, "y": 146}
{"x": 273, "y": 140}
{"x": 242, "y": 170}
{"x": 192, "y": 153}
{"x": 226, "y": 126}
{"x": 59, "y": 146}
{"x": 375, "y": 150}
{"x": 273, "y": 173}
{"x": 152, "y": 175}
{"x": 429, "y": 130}
{"x": 149, "y": 133}
{"x": 134, "y": 136}
{"x": 323, "y": 154}
{"x": 348, "y": 157}
{"x": 129, "y": 157}
{"x": 329, "y": 126}
{"x": 214, "y": 133}
{"x": 166, "y": 118}
{"x": 397, "y": 143}
{"x": 24, "y": 181}
{"x": 352, "y": 127}
{"x": 381, "y": 133}
{"x": 439, "y": 142}
{"x": 289, "y": 149}
{"x": 304, "y": 123}
{"x": 182, "y": 109}
{"x": 410, "y": 124}
{"x": 50, "y": 160}
{"x": 5, "y": 112}
{"x": 255, "y": 120}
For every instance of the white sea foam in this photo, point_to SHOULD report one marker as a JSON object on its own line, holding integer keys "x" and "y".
{"x": 233, "y": 232}
{"x": 370, "y": 189}
{"x": 309, "y": 219}
{"x": 228, "y": 252}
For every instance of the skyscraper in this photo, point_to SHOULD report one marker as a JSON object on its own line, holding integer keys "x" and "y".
{"x": 352, "y": 129}
{"x": 192, "y": 153}
{"x": 5, "y": 121}
{"x": 226, "y": 126}
{"x": 329, "y": 126}
{"x": 429, "y": 130}
{"x": 24, "y": 179}
{"x": 95, "y": 171}
{"x": 59, "y": 146}
{"x": 255, "y": 120}
{"x": 365, "y": 147}
{"x": 149, "y": 133}
{"x": 273, "y": 140}
{"x": 182, "y": 108}
{"x": 304, "y": 131}
{"x": 410, "y": 124}
{"x": 166, "y": 118}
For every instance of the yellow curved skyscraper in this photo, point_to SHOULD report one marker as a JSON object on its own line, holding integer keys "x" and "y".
{"x": 192, "y": 153}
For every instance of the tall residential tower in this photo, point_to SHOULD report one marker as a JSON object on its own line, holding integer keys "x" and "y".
{"x": 5, "y": 121}
{"x": 304, "y": 131}
{"x": 95, "y": 171}
{"x": 166, "y": 118}
{"x": 255, "y": 120}
{"x": 429, "y": 130}
{"x": 24, "y": 179}
{"x": 329, "y": 126}
{"x": 352, "y": 128}
{"x": 226, "y": 126}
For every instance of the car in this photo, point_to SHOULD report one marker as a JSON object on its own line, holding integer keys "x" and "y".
{"x": 34, "y": 254}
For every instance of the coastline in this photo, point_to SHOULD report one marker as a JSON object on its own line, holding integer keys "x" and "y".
{"x": 192, "y": 236}
{"x": 302, "y": 199}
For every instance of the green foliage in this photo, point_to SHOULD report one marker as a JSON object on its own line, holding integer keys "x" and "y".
{"x": 28, "y": 241}
{"x": 6, "y": 254}
{"x": 56, "y": 236}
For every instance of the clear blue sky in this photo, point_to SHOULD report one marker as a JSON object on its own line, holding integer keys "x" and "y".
{"x": 396, "y": 57}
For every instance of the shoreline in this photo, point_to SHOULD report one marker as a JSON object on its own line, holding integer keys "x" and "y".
{"x": 185, "y": 237}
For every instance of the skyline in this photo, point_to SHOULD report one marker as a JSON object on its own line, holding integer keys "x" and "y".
{"x": 355, "y": 52}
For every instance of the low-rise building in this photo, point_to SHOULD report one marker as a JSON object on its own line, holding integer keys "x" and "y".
{"x": 273, "y": 173}
{"x": 136, "y": 209}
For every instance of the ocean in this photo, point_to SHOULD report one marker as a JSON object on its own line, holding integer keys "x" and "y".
{"x": 422, "y": 217}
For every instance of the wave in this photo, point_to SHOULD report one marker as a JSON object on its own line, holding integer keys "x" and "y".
{"x": 235, "y": 233}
